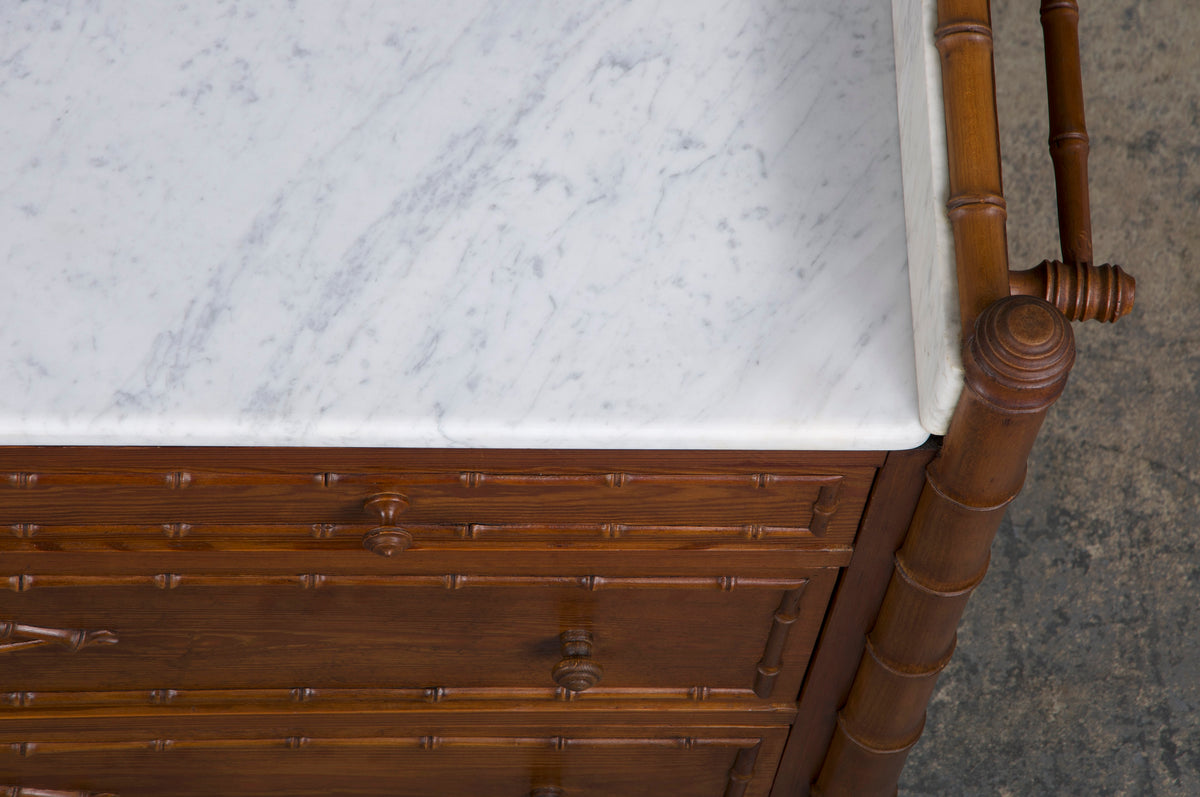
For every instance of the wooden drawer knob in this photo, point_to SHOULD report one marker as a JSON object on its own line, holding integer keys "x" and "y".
{"x": 577, "y": 671}
{"x": 548, "y": 791}
{"x": 387, "y": 539}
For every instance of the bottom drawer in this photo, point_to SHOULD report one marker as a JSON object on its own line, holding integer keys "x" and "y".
{"x": 591, "y": 762}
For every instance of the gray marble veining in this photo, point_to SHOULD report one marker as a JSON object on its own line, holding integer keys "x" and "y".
{"x": 590, "y": 224}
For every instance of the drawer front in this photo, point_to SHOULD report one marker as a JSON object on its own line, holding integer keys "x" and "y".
{"x": 583, "y": 634}
{"x": 731, "y": 762}
{"x": 248, "y": 499}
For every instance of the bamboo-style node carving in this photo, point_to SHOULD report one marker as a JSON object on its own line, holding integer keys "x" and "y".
{"x": 14, "y": 637}
{"x": 771, "y": 663}
{"x": 23, "y": 480}
{"x": 28, "y": 791}
{"x": 578, "y": 671}
{"x": 387, "y": 539}
{"x": 450, "y": 581}
{"x": 1015, "y": 365}
{"x": 1080, "y": 292}
{"x": 824, "y": 508}
{"x": 177, "y": 480}
{"x": 742, "y": 771}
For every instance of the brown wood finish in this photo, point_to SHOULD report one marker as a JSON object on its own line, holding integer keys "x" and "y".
{"x": 1016, "y": 366}
{"x": 253, "y": 491}
{"x": 1079, "y": 289}
{"x": 592, "y": 762}
{"x": 478, "y": 631}
{"x": 20, "y": 791}
{"x": 15, "y": 636}
{"x": 976, "y": 200}
{"x": 855, "y": 605}
{"x": 615, "y": 588}
{"x": 1068, "y": 129}
{"x": 1081, "y": 293}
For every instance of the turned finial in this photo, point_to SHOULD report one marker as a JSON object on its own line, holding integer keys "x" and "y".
{"x": 1020, "y": 354}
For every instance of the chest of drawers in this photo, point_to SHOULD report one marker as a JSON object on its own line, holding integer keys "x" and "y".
{"x": 406, "y": 474}
{"x": 593, "y": 622}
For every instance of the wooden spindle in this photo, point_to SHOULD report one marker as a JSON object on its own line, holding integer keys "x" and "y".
{"x": 1079, "y": 289}
{"x": 1068, "y": 129}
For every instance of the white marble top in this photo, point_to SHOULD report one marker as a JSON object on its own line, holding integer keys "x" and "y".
{"x": 599, "y": 223}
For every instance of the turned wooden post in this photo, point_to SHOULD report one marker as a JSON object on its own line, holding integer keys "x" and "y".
{"x": 1016, "y": 366}
{"x": 976, "y": 202}
{"x": 1068, "y": 129}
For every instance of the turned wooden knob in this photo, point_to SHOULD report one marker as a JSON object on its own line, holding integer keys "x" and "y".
{"x": 387, "y": 539}
{"x": 577, "y": 671}
{"x": 548, "y": 791}
{"x": 1020, "y": 354}
{"x": 1080, "y": 292}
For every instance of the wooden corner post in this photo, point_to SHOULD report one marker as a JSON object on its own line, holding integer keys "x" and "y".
{"x": 1016, "y": 366}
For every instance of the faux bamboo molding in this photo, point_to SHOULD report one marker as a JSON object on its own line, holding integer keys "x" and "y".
{"x": 28, "y": 791}
{"x": 1069, "y": 142}
{"x": 976, "y": 201}
{"x": 1016, "y": 366}
{"x": 14, "y": 637}
{"x": 1079, "y": 289}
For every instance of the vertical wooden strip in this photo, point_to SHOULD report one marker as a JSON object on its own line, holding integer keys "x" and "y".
{"x": 771, "y": 662}
{"x": 851, "y": 615}
{"x": 742, "y": 771}
{"x": 1068, "y": 129}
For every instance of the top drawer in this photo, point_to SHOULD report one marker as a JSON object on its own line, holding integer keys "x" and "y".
{"x": 559, "y": 496}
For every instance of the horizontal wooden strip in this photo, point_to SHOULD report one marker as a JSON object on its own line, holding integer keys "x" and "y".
{"x": 559, "y": 743}
{"x": 377, "y": 698}
{"x": 25, "y": 582}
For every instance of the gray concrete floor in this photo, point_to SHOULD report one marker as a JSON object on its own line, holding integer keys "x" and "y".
{"x": 1078, "y": 667}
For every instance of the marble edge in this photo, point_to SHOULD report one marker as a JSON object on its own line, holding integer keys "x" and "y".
{"x": 895, "y": 437}
{"x": 933, "y": 278}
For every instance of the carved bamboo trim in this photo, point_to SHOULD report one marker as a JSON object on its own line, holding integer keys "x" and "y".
{"x": 824, "y": 508}
{"x": 1016, "y": 366}
{"x": 976, "y": 193}
{"x": 374, "y": 698}
{"x": 430, "y": 534}
{"x": 29, "y": 791}
{"x": 15, "y": 637}
{"x": 425, "y": 743}
{"x": 771, "y": 663}
{"x": 400, "y": 482}
{"x": 741, "y": 774}
{"x": 1068, "y": 129}
{"x": 452, "y": 581}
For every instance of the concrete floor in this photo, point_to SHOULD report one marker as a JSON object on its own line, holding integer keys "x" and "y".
{"x": 1078, "y": 667}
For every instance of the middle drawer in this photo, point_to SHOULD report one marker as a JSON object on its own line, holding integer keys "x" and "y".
{"x": 503, "y": 632}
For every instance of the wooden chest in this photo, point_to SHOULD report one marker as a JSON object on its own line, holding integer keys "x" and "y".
{"x": 306, "y": 621}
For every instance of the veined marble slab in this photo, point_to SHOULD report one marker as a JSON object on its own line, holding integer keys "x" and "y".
{"x": 603, "y": 223}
